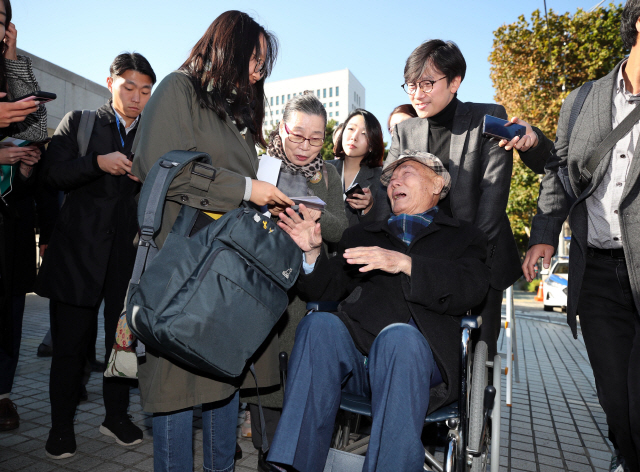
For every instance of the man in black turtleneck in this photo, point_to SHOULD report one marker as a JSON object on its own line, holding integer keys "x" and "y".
{"x": 480, "y": 168}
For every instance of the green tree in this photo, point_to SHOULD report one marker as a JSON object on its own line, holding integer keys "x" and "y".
{"x": 327, "y": 147}
{"x": 534, "y": 66}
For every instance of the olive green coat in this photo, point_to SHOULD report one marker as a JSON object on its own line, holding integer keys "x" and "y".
{"x": 173, "y": 120}
{"x": 332, "y": 224}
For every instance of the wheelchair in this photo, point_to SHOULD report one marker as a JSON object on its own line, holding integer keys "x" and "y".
{"x": 473, "y": 422}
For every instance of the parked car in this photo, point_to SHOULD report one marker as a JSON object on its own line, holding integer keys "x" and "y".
{"x": 554, "y": 288}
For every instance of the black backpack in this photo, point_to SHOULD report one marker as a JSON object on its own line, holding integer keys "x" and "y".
{"x": 207, "y": 300}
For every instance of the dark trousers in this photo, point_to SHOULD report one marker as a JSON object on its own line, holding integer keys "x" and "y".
{"x": 9, "y": 360}
{"x": 491, "y": 311}
{"x": 611, "y": 330}
{"x": 72, "y": 329}
{"x": 271, "y": 418}
{"x": 324, "y": 362}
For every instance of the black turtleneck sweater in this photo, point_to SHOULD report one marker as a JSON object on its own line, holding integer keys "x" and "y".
{"x": 440, "y": 126}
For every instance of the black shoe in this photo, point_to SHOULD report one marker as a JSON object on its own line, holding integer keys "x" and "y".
{"x": 264, "y": 466}
{"x": 60, "y": 445}
{"x": 44, "y": 350}
{"x": 238, "y": 455}
{"x": 123, "y": 430}
{"x": 9, "y": 418}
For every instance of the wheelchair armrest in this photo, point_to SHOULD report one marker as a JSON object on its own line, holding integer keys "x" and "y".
{"x": 471, "y": 322}
{"x": 323, "y": 306}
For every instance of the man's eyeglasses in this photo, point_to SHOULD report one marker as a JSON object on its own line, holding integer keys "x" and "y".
{"x": 296, "y": 138}
{"x": 425, "y": 85}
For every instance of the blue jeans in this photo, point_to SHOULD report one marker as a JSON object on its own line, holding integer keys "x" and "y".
{"x": 324, "y": 362}
{"x": 173, "y": 438}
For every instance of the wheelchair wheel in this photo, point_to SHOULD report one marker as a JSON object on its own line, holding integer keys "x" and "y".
{"x": 479, "y": 382}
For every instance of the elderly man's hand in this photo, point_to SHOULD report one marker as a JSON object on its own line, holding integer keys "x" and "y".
{"x": 375, "y": 257}
{"x": 304, "y": 232}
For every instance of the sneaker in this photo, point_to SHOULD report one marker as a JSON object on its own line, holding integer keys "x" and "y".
{"x": 44, "y": 350}
{"x": 9, "y": 418}
{"x": 60, "y": 445}
{"x": 617, "y": 462}
{"x": 123, "y": 430}
{"x": 238, "y": 455}
{"x": 245, "y": 427}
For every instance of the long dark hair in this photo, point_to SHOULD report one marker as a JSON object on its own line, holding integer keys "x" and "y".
{"x": 219, "y": 69}
{"x": 373, "y": 129}
{"x": 3, "y": 50}
{"x": 405, "y": 108}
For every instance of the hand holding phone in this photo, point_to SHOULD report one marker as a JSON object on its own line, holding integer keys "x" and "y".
{"x": 353, "y": 190}
{"x": 15, "y": 112}
{"x": 39, "y": 96}
{"x": 523, "y": 144}
{"x": 498, "y": 128}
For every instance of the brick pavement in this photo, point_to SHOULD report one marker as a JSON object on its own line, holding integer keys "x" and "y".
{"x": 555, "y": 423}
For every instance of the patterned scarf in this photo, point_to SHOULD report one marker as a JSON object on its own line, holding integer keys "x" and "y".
{"x": 275, "y": 149}
{"x": 406, "y": 226}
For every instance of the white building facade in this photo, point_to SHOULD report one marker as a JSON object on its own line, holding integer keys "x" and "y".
{"x": 340, "y": 93}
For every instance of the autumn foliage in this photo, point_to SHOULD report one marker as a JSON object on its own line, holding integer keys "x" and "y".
{"x": 533, "y": 69}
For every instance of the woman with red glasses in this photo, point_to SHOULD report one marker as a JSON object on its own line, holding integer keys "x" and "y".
{"x": 297, "y": 144}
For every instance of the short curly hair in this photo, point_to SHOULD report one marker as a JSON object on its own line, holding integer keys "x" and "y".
{"x": 628, "y": 30}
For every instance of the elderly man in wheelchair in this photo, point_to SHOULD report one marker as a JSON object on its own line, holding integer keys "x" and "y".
{"x": 405, "y": 282}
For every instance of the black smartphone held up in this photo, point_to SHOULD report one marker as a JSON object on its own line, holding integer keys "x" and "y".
{"x": 353, "y": 190}
{"x": 42, "y": 97}
{"x": 495, "y": 128}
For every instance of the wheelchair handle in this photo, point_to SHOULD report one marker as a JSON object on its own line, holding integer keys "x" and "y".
{"x": 283, "y": 359}
{"x": 489, "y": 398}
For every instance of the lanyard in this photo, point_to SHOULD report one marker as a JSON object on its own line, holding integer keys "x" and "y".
{"x": 119, "y": 134}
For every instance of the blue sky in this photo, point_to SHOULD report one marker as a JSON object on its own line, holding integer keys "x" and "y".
{"x": 371, "y": 38}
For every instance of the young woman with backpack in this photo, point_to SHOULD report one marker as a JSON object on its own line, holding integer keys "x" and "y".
{"x": 215, "y": 104}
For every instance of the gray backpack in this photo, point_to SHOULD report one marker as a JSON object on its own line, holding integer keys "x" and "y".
{"x": 208, "y": 300}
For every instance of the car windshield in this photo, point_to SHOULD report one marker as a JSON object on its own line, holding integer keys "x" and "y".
{"x": 561, "y": 269}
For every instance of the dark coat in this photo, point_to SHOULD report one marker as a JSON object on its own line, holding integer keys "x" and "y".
{"x": 591, "y": 127}
{"x": 448, "y": 277}
{"x": 480, "y": 180}
{"x": 367, "y": 177}
{"x": 99, "y": 213}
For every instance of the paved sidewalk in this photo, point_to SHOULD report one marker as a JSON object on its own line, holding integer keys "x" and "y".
{"x": 555, "y": 423}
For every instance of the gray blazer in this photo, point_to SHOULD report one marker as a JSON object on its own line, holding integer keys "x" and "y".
{"x": 591, "y": 127}
{"x": 480, "y": 180}
{"x": 367, "y": 177}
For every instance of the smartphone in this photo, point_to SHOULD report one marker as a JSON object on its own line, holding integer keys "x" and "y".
{"x": 353, "y": 190}
{"x": 42, "y": 97}
{"x": 495, "y": 128}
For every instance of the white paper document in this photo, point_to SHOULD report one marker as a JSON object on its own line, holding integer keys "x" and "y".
{"x": 311, "y": 202}
{"x": 269, "y": 169}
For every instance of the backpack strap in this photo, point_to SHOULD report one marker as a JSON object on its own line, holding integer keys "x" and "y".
{"x": 583, "y": 93}
{"x": 85, "y": 128}
{"x": 151, "y": 203}
{"x": 607, "y": 144}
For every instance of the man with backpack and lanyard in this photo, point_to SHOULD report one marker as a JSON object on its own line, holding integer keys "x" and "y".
{"x": 592, "y": 177}
{"x": 91, "y": 252}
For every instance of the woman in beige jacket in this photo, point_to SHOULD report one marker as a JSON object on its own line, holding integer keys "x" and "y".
{"x": 215, "y": 104}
